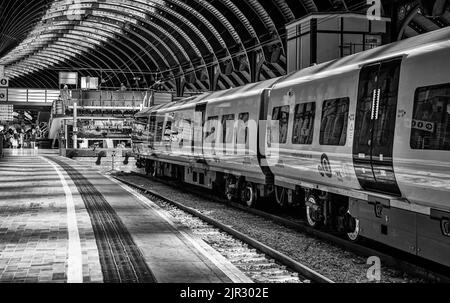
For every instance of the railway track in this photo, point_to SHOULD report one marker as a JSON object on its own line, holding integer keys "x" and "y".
{"x": 387, "y": 259}
{"x": 258, "y": 261}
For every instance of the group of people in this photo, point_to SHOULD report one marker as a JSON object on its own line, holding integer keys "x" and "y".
{"x": 18, "y": 138}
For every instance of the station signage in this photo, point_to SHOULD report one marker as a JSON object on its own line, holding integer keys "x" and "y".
{"x": 4, "y": 82}
{"x": 372, "y": 41}
{"x": 68, "y": 78}
{"x": 6, "y": 112}
{"x": 89, "y": 83}
{"x": 3, "y": 94}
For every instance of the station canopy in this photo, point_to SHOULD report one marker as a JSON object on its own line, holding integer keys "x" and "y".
{"x": 199, "y": 45}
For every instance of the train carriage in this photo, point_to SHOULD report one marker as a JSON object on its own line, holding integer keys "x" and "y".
{"x": 362, "y": 142}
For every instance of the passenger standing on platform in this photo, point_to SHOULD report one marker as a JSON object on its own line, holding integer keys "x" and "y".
{"x": 122, "y": 87}
{"x": 21, "y": 138}
{"x": 33, "y": 139}
{"x": 65, "y": 94}
{"x": 14, "y": 141}
{"x": 2, "y": 138}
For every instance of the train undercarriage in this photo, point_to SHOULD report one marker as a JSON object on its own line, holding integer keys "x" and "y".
{"x": 320, "y": 209}
{"x": 422, "y": 235}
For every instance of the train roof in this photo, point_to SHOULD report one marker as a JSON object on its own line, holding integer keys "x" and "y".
{"x": 211, "y": 97}
{"x": 241, "y": 92}
{"x": 187, "y": 101}
{"x": 408, "y": 47}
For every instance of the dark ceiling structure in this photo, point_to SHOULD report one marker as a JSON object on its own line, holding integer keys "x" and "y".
{"x": 177, "y": 45}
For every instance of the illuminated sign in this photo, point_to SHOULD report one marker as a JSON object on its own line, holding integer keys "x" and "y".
{"x": 4, "y": 82}
{"x": 6, "y": 112}
{"x": 68, "y": 78}
{"x": 89, "y": 83}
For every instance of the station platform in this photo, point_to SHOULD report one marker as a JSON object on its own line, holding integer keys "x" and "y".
{"x": 61, "y": 221}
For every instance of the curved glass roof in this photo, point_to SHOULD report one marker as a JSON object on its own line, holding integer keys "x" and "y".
{"x": 143, "y": 42}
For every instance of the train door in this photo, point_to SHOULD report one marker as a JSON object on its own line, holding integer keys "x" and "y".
{"x": 199, "y": 122}
{"x": 152, "y": 130}
{"x": 376, "y": 114}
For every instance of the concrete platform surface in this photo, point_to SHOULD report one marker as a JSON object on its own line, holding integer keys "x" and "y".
{"x": 61, "y": 221}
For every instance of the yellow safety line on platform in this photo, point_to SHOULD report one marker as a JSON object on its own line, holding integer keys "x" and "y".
{"x": 74, "y": 261}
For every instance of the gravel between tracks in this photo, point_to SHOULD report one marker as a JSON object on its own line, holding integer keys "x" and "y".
{"x": 327, "y": 259}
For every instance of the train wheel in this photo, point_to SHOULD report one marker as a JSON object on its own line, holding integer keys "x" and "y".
{"x": 249, "y": 195}
{"x": 281, "y": 195}
{"x": 152, "y": 171}
{"x": 313, "y": 212}
{"x": 148, "y": 168}
{"x": 354, "y": 235}
{"x": 230, "y": 189}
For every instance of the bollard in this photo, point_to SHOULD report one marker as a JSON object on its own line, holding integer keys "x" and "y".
{"x": 113, "y": 156}
{"x": 127, "y": 157}
{"x": 71, "y": 154}
{"x": 100, "y": 155}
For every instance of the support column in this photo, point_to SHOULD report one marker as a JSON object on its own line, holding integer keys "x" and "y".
{"x": 180, "y": 84}
{"x": 256, "y": 63}
{"x": 75, "y": 125}
{"x": 214, "y": 73}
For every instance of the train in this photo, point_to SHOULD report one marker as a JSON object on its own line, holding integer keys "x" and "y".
{"x": 93, "y": 131}
{"x": 361, "y": 143}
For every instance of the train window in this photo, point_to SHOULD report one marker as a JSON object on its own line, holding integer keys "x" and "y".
{"x": 227, "y": 128}
{"x": 152, "y": 128}
{"x": 159, "y": 128}
{"x": 182, "y": 131}
{"x": 304, "y": 123}
{"x": 211, "y": 129}
{"x": 242, "y": 129}
{"x": 281, "y": 114}
{"x": 168, "y": 130}
{"x": 333, "y": 130}
{"x": 431, "y": 118}
{"x": 140, "y": 129}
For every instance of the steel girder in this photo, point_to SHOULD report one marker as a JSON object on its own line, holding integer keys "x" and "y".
{"x": 210, "y": 33}
{"x": 196, "y": 44}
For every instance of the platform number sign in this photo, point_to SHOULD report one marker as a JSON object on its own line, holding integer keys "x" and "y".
{"x": 3, "y": 94}
{"x": 4, "y": 82}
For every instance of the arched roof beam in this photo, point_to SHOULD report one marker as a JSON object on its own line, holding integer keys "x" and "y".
{"x": 119, "y": 15}
{"x": 25, "y": 14}
{"x": 95, "y": 41}
{"x": 114, "y": 16}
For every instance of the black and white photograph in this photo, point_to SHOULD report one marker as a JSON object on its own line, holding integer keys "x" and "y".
{"x": 225, "y": 150}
